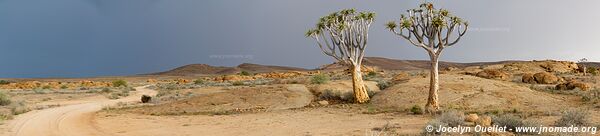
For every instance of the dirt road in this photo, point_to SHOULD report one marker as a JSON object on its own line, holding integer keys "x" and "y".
{"x": 71, "y": 120}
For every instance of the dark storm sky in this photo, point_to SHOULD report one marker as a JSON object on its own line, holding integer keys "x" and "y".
{"x": 80, "y": 38}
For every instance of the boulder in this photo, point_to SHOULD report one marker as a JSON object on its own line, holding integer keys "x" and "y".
{"x": 572, "y": 85}
{"x": 484, "y": 121}
{"x": 493, "y": 74}
{"x": 471, "y": 118}
{"x": 151, "y": 81}
{"x": 546, "y": 78}
{"x": 528, "y": 78}
{"x": 146, "y": 98}
{"x": 323, "y": 102}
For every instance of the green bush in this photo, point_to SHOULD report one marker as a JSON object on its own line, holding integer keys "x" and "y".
{"x": 245, "y": 73}
{"x": 106, "y": 90}
{"x": 199, "y": 81}
{"x": 4, "y": 82}
{"x": 452, "y": 118}
{"x": 4, "y": 99}
{"x": 119, "y": 83}
{"x": 46, "y": 87}
{"x": 416, "y": 109}
{"x": 508, "y": 121}
{"x": 592, "y": 70}
{"x": 372, "y": 74}
{"x": 382, "y": 84}
{"x": 576, "y": 118}
{"x": 237, "y": 83}
{"x": 64, "y": 87}
{"x": 319, "y": 79}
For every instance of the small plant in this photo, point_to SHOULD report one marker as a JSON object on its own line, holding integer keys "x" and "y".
{"x": 510, "y": 121}
{"x": 199, "y": 81}
{"x": 4, "y": 99}
{"x": 64, "y": 87}
{"x": 245, "y": 73}
{"x": 574, "y": 117}
{"x": 416, "y": 109}
{"x": 319, "y": 79}
{"x": 4, "y": 82}
{"x": 452, "y": 118}
{"x": 119, "y": 83}
{"x": 46, "y": 87}
{"x": 382, "y": 84}
{"x": 372, "y": 74}
{"x": 106, "y": 90}
{"x": 592, "y": 71}
{"x": 237, "y": 83}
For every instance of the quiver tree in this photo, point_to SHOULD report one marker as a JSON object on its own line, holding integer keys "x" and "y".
{"x": 433, "y": 30}
{"x": 343, "y": 35}
{"x": 584, "y": 68}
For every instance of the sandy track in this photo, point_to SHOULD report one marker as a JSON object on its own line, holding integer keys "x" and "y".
{"x": 71, "y": 120}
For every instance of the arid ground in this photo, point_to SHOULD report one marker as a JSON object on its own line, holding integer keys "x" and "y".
{"x": 253, "y": 99}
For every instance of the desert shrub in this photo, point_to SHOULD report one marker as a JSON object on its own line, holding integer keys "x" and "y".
{"x": 372, "y": 74}
{"x": 319, "y": 79}
{"x": 336, "y": 95}
{"x": 119, "y": 83}
{"x": 244, "y": 73}
{"x": 4, "y": 99}
{"x": 46, "y": 87}
{"x": 435, "y": 124}
{"x": 64, "y": 87}
{"x": 18, "y": 108}
{"x": 382, "y": 84}
{"x": 4, "y": 82}
{"x": 237, "y": 83}
{"x": 452, "y": 118}
{"x": 592, "y": 71}
{"x": 416, "y": 109}
{"x": 574, "y": 117}
{"x": 199, "y": 81}
{"x": 510, "y": 121}
{"x": 106, "y": 90}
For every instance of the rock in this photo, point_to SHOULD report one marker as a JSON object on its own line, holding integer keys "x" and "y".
{"x": 484, "y": 121}
{"x": 323, "y": 102}
{"x": 471, "y": 118}
{"x": 559, "y": 66}
{"x": 182, "y": 81}
{"x": 151, "y": 81}
{"x": 146, "y": 98}
{"x": 402, "y": 76}
{"x": 572, "y": 85}
{"x": 493, "y": 74}
{"x": 451, "y": 69}
{"x": 225, "y": 78}
{"x": 280, "y": 74}
{"x": 546, "y": 78}
{"x": 528, "y": 78}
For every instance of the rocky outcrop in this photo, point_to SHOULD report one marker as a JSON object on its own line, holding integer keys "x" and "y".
{"x": 528, "y": 78}
{"x": 571, "y": 85}
{"x": 546, "y": 78}
{"x": 493, "y": 74}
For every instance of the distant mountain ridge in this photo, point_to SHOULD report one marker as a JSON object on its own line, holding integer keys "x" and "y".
{"x": 380, "y": 62}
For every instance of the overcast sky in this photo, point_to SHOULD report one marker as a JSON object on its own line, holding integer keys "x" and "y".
{"x": 80, "y": 38}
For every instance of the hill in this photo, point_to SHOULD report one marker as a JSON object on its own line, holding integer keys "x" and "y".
{"x": 204, "y": 69}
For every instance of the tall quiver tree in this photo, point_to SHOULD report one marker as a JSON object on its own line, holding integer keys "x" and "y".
{"x": 582, "y": 64}
{"x": 433, "y": 30}
{"x": 343, "y": 35}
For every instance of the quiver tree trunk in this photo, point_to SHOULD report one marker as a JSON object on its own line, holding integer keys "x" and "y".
{"x": 360, "y": 91}
{"x": 432, "y": 105}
